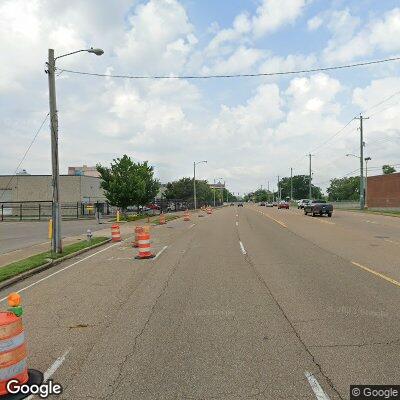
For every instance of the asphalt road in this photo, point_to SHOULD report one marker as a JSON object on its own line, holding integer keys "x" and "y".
{"x": 246, "y": 303}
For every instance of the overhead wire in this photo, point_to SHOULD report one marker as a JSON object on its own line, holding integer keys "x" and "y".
{"x": 24, "y": 156}
{"x": 260, "y": 74}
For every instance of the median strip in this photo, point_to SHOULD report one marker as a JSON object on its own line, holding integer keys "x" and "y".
{"x": 386, "y": 278}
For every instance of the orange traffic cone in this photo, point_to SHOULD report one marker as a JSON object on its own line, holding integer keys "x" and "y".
{"x": 13, "y": 354}
{"x": 209, "y": 210}
{"x": 115, "y": 233}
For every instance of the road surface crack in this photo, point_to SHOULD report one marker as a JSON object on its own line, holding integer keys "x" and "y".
{"x": 306, "y": 348}
{"x": 387, "y": 343}
{"x": 116, "y": 382}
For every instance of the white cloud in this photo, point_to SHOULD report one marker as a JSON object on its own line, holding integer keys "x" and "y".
{"x": 272, "y": 14}
{"x": 314, "y": 23}
{"x": 160, "y": 38}
{"x": 347, "y": 44}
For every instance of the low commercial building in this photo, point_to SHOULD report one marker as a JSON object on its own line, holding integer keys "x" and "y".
{"x": 30, "y": 196}
{"x": 83, "y": 170}
{"x": 384, "y": 190}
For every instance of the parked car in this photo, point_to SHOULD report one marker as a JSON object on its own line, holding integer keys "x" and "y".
{"x": 262, "y": 204}
{"x": 283, "y": 204}
{"x": 318, "y": 207}
{"x": 232, "y": 204}
{"x": 274, "y": 204}
{"x": 301, "y": 203}
{"x": 269, "y": 205}
{"x": 240, "y": 205}
{"x": 153, "y": 207}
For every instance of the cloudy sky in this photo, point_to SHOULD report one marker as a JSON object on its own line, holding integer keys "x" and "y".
{"x": 248, "y": 129}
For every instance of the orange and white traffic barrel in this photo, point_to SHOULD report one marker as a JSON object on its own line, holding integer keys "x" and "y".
{"x": 115, "y": 233}
{"x": 186, "y": 216}
{"x": 144, "y": 246}
{"x": 138, "y": 229}
{"x": 162, "y": 220}
{"x": 209, "y": 210}
{"x": 13, "y": 354}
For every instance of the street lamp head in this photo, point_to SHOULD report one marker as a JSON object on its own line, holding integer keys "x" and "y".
{"x": 96, "y": 51}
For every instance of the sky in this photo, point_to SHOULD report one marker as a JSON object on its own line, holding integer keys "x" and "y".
{"x": 250, "y": 130}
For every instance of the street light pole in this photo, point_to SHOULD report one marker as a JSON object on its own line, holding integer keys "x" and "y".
{"x": 214, "y": 193}
{"x": 56, "y": 242}
{"x": 194, "y": 182}
{"x": 291, "y": 184}
{"x": 362, "y": 196}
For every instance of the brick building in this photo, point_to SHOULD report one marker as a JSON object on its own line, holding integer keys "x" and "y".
{"x": 384, "y": 190}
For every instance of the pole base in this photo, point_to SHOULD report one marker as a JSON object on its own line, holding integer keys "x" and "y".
{"x": 35, "y": 378}
{"x": 145, "y": 257}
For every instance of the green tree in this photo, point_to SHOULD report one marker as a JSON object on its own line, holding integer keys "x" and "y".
{"x": 126, "y": 183}
{"x": 183, "y": 190}
{"x": 388, "y": 169}
{"x": 300, "y": 188}
{"x": 344, "y": 189}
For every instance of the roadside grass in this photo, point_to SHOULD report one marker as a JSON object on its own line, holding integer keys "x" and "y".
{"x": 18, "y": 267}
{"x": 131, "y": 218}
{"x": 377, "y": 212}
{"x": 167, "y": 218}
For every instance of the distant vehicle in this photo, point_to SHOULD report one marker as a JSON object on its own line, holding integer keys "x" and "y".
{"x": 153, "y": 207}
{"x": 232, "y": 204}
{"x": 301, "y": 203}
{"x": 269, "y": 205}
{"x": 318, "y": 207}
{"x": 274, "y": 204}
{"x": 262, "y": 204}
{"x": 283, "y": 204}
{"x": 240, "y": 205}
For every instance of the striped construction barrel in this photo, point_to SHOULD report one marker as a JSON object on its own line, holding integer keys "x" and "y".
{"x": 144, "y": 246}
{"x": 13, "y": 356}
{"x": 115, "y": 233}
{"x": 138, "y": 229}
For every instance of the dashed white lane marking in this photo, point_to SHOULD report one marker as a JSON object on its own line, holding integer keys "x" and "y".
{"x": 63, "y": 269}
{"x": 52, "y": 369}
{"x": 160, "y": 252}
{"x": 242, "y": 248}
{"x": 237, "y": 223}
{"x": 191, "y": 226}
{"x": 237, "y": 215}
{"x": 370, "y": 222}
{"x": 316, "y": 387}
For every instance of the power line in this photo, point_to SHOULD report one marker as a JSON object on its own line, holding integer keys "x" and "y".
{"x": 360, "y": 64}
{"x": 381, "y": 102}
{"x": 24, "y": 156}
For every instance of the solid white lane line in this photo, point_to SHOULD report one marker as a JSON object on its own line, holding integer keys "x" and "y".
{"x": 237, "y": 223}
{"x": 52, "y": 369}
{"x": 242, "y": 248}
{"x": 316, "y": 387}
{"x": 161, "y": 251}
{"x": 63, "y": 269}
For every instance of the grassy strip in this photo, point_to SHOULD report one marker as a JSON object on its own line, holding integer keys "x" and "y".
{"x": 167, "y": 218}
{"x": 130, "y": 218}
{"x": 18, "y": 267}
{"x": 378, "y": 212}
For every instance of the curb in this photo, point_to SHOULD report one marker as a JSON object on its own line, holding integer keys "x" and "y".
{"x": 48, "y": 265}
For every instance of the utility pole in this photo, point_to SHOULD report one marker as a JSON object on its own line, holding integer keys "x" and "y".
{"x": 366, "y": 181}
{"x": 291, "y": 184}
{"x": 214, "y": 193}
{"x": 279, "y": 191}
{"x": 310, "y": 180}
{"x": 194, "y": 186}
{"x": 362, "y": 144}
{"x": 56, "y": 243}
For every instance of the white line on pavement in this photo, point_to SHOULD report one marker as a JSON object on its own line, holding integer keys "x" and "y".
{"x": 237, "y": 223}
{"x": 52, "y": 369}
{"x": 63, "y": 269}
{"x": 191, "y": 226}
{"x": 316, "y": 387}
{"x": 242, "y": 248}
{"x": 163, "y": 249}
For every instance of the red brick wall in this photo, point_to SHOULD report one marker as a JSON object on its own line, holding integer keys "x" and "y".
{"x": 384, "y": 190}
